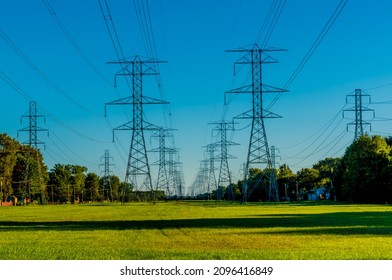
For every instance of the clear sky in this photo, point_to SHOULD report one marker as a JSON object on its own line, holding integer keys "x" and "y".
{"x": 63, "y": 67}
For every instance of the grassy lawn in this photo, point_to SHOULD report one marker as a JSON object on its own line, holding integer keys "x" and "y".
{"x": 197, "y": 230}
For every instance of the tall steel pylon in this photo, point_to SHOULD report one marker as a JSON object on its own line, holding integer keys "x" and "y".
{"x": 163, "y": 179}
{"x": 106, "y": 186}
{"x": 200, "y": 185}
{"x": 224, "y": 177}
{"x": 33, "y": 127}
{"x": 211, "y": 185}
{"x": 359, "y": 108}
{"x": 273, "y": 173}
{"x": 258, "y": 151}
{"x": 176, "y": 178}
{"x": 138, "y": 171}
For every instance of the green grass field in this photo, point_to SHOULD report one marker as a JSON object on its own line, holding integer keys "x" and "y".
{"x": 197, "y": 230}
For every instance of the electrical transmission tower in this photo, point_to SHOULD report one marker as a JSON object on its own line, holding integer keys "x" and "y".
{"x": 211, "y": 183}
{"x": 273, "y": 171}
{"x": 359, "y": 108}
{"x": 163, "y": 178}
{"x": 258, "y": 151}
{"x": 106, "y": 186}
{"x": 201, "y": 182}
{"x": 175, "y": 176}
{"x": 224, "y": 177}
{"x": 33, "y": 127}
{"x": 138, "y": 171}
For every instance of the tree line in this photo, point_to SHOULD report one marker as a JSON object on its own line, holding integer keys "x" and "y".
{"x": 23, "y": 174}
{"x": 362, "y": 175}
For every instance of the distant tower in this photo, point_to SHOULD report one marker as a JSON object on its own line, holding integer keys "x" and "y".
{"x": 33, "y": 127}
{"x": 203, "y": 177}
{"x": 273, "y": 174}
{"x": 258, "y": 151}
{"x": 224, "y": 178}
{"x": 138, "y": 169}
{"x": 163, "y": 180}
{"x": 176, "y": 176}
{"x": 358, "y": 109}
{"x": 211, "y": 185}
{"x": 106, "y": 186}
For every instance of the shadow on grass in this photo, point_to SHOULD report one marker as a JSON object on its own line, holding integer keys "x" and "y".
{"x": 347, "y": 223}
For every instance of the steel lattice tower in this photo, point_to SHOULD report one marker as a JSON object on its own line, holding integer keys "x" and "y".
{"x": 33, "y": 142}
{"x": 176, "y": 181}
{"x": 258, "y": 151}
{"x": 106, "y": 174}
{"x": 224, "y": 177}
{"x": 211, "y": 183}
{"x": 202, "y": 178}
{"x": 138, "y": 171}
{"x": 358, "y": 109}
{"x": 273, "y": 173}
{"x": 163, "y": 180}
{"x": 33, "y": 127}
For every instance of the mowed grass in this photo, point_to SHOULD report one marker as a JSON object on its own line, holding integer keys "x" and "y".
{"x": 197, "y": 230}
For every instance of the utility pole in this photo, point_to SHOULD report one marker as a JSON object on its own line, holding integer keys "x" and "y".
{"x": 258, "y": 150}
{"x": 359, "y": 108}
{"x": 224, "y": 177}
{"x": 106, "y": 186}
{"x": 138, "y": 171}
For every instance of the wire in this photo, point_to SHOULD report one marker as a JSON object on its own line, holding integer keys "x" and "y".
{"x": 323, "y": 129}
{"x": 15, "y": 86}
{"x": 342, "y": 135}
{"x": 315, "y": 151}
{"x": 66, "y": 146}
{"x": 71, "y": 129}
{"x": 312, "y": 49}
{"x": 73, "y": 42}
{"x": 277, "y": 14}
{"x": 21, "y": 54}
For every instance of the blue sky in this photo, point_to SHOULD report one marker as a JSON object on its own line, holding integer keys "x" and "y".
{"x": 193, "y": 36}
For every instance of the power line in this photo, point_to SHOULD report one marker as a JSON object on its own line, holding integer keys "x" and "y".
{"x": 312, "y": 49}
{"x": 323, "y": 130}
{"x": 36, "y": 69}
{"x": 72, "y": 40}
{"x": 25, "y": 95}
{"x": 111, "y": 29}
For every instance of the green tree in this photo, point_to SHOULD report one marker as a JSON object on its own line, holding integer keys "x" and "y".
{"x": 308, "y": 178}
{"x": 366, "y": 170}
{"x": 126, "y": 192}
{"x": 91, "y": 187}
{"x": 78, "y": 179}
{"x": 8, "y": 156}
{"x": 328, "y": 169}
{"x": 286, "y": 182}
{"x": 111, "y": 187}
{"x": 30, "y": 174}
{"x": 60, "y": 183}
